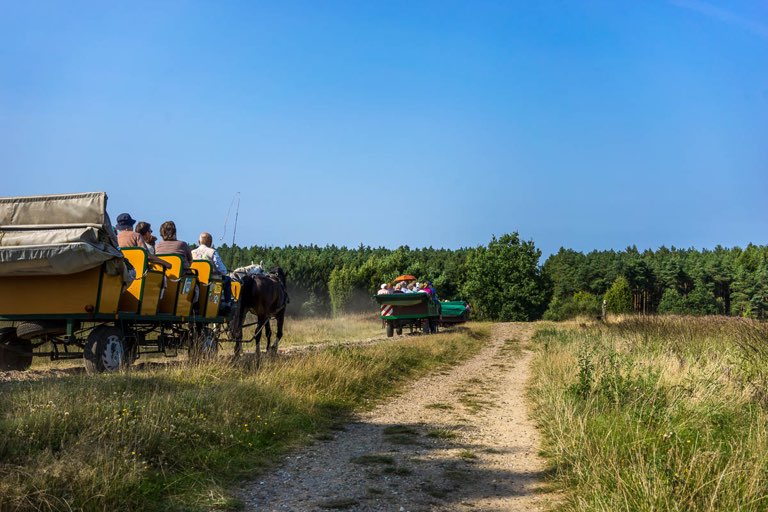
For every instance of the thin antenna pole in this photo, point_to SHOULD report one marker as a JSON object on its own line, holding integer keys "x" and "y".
{"x": 234, "y": 231}
{"x": 226, "y": 219}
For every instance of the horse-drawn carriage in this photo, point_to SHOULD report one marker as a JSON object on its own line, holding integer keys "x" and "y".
{"x": 66, "y": 285}
{"x": 418, "y": 311}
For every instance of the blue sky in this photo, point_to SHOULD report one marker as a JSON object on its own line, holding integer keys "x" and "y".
{"x": 584, "y": 124}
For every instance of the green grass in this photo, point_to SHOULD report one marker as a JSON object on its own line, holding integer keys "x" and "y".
{"x": 440, "y": 406}
{"x": 179, "y": 437}
{"x": 655, "y": 413}
{"x": 442, "y": 433}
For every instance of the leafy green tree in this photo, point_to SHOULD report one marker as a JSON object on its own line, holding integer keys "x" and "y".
{"x": 340, "y": 287}
{"x": 618, "y": 298}
{"x": 504, "y": 281}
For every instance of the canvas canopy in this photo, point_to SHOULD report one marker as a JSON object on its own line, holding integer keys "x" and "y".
{"x": 57, "y": 234}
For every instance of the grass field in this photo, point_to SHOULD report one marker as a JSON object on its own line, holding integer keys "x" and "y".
{"x": 312, "y": 331}
{"x": 178, "y": 437}
{"x": 656, "y": 413}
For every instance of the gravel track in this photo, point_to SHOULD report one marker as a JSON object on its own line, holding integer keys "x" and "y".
{"x": 458, "y": 440}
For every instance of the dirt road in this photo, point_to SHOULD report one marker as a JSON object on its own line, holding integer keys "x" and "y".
{"x": 460, "y": 440}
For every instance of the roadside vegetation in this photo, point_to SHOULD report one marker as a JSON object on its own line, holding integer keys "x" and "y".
{"x": 506, "y": 279}
{"x": 178, "y": 437}
{"x": 502, "y": 281}
{"x": 655, "y": 413}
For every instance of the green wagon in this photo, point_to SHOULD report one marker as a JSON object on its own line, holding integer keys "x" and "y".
{"x": 454, "y": 312}
{"x": 413, "y": 310}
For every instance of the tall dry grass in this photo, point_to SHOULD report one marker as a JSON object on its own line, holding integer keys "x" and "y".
{"x": 177, "y": 437}
{"x": 656, "y": 413}
{"x": 312, "y": 331}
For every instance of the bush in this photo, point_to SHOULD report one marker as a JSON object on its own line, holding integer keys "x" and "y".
{"x": 581, "y": 303}
{"x": 618, "y": 298}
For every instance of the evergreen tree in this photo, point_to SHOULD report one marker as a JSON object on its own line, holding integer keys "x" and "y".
{"x": 672, "y": 302}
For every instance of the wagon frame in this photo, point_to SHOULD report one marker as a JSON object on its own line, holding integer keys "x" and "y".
{"x": 418, "y": 311}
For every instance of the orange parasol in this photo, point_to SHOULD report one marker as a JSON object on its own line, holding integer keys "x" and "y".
{"x": 405, "y": 277}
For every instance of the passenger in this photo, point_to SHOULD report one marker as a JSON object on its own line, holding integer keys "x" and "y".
{"x": 399, "y": 288}
{"x": 431, "y": 291}
{"x": 145, "y": 230}
{"x": 417, "y": 288}
{"x": 434, "y": 291}
{"x": 169, "y": 244}
{"x": 384, "y": 290}
{"x": 205, "y": 251}
{"x": 128, "y": 238}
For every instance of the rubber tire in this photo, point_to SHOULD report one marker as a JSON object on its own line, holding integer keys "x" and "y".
{"x": 433, "y": 326}
{"x": 15, "y": 353}
{"x": 399, "y": 330}
{"x": 105, "y": 350}
{"x": 425, "y": 326}
{"x": 36, "y": 328}
{"x": 204, "y": 346}
{"x": 390, "y": 329}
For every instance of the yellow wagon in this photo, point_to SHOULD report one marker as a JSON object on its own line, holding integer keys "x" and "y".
{"x": 65, "y": 282}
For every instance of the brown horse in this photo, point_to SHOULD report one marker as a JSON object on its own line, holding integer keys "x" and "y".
{"x": 265, "y": 296}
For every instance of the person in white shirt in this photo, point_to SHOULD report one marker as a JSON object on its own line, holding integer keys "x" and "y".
{"x": 205, "y": 251}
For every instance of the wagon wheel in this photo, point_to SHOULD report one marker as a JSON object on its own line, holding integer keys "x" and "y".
{"x": 433, "y": 325}
{"x": 105, "y": 350}
{"x": 399, "y": 330}
{"x": 15, "y": 353}
{"x": 37, "y": 328}
{"x": 425, "y": 326}
{"x": 390, "y": 329}
{"x": 205, "y": 345}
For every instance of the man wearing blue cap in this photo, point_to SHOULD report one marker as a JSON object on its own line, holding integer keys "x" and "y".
{"x": 127, "y": 237}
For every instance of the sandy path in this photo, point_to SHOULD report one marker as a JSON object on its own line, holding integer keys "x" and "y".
{"x": 459, "y": 440}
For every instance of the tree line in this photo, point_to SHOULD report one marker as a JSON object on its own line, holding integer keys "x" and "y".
{"x": 722, "y": 281}
{"x": 505, "y": 279}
